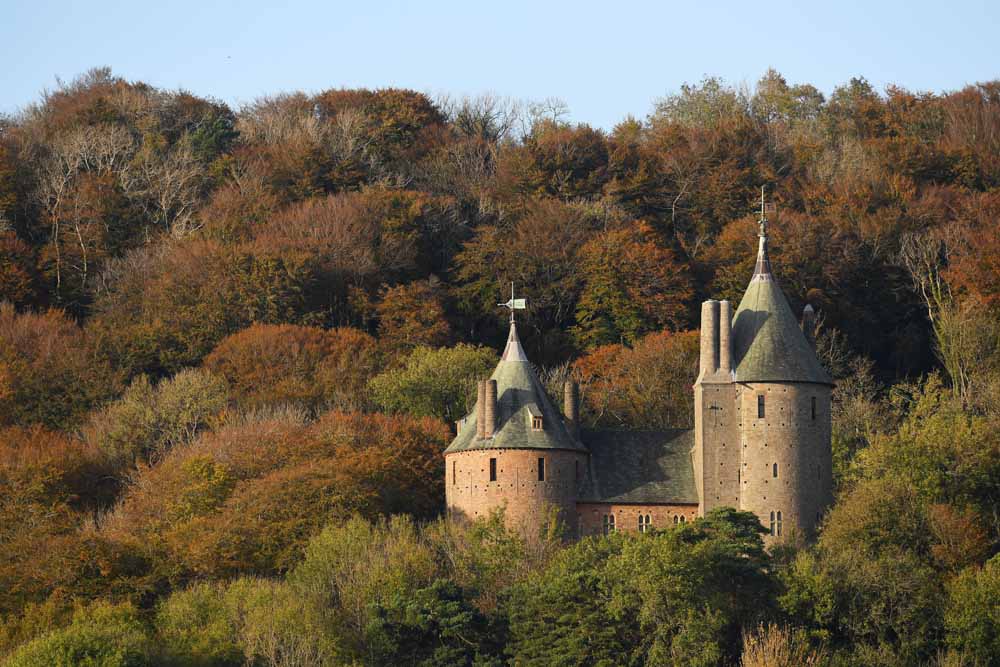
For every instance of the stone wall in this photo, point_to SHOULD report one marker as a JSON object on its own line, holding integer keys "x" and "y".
{"x": 788, "y": 436}
{"x": 470, "y": 494}
{"x": 591, "y": 516}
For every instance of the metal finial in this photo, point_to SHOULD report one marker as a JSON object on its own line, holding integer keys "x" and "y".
{"x": 763, "y": 214}
{"x": 514, "y": 304}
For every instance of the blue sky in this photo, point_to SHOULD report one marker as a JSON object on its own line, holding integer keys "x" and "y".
{"x": 604, "y": 59}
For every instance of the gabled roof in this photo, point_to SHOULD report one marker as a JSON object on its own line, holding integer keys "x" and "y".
{"x": 519, "y": 397}
{"x": 648, "y": 467}
{"x": 768, "y": 344}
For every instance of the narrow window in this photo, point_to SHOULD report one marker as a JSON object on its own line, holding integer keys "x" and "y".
{"x": 493, "y": 470}
{"x": 779, "y": 524}
{"x": 675, "y": 519}
{"x": 683, "y": 519}
{"x": 772, "y": 523}
{"x": 576, "y": 471}
{"x": 536, "y": 423}
{"x": 760, "y": 406}
{"x": 541, "y": 469}
{"x": 644, "y": 523}
{"x": 814, "y": 408}
{"x": 774, "y": 470}
{"x": 454, "y": 476}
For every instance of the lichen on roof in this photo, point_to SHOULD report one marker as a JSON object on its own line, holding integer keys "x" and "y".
{"x": 768, "y": 344}
{"x": 520, "y": 396}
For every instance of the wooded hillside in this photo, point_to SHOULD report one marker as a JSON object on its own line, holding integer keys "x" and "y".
{"x": 232, "y": 344}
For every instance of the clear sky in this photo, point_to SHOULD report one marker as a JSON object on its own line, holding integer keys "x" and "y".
{"x": 604, "y": 59}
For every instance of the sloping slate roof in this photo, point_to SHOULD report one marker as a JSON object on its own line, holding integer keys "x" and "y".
{"x": 519, "y": 393}
{"x": 640, "y": 467}
{"x": 768, "y": 345}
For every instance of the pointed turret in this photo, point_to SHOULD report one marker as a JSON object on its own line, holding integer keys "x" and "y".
{"x": 525, "y": 417}
{"x": 768, "y": 343}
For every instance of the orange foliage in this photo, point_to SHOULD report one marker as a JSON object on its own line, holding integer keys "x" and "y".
{"x": 412, "y": 315}
{"x": 270, "y": 364}
{"x": 646, "y": 386}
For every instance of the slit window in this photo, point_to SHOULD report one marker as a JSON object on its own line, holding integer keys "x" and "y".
{"x": 813, "y": 408}
{"x": 576, "y": 471}
{"x": 760, "y": 406}
{"x": 779, "y": 524}
{"x": 493, "y": 470}
{"x": 541, "y": 469}
{"x": 772, "y": 522}
{"x": 774, "y": 471}
{"x": 454, "y": 475}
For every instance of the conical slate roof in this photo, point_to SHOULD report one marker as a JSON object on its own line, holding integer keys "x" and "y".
{"x": 520, "y": 396}
{"x": 768, "y": 345}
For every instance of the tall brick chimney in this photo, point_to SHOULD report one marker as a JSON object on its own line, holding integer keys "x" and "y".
{"x": 490, "y": 412}
{"x": 481, "y": 409}
{"x": 571, "y": 407}
{"x": 709, "y": 337}
{"x": 725, "y": 329}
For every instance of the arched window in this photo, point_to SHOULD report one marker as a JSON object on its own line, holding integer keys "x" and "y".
{"x": 675, "y": 519}
{"x": 779, "y": 524}
{"x": 772, "y": 523}
{"x": 774, "y": 470}
{"x": 644, "y": 523}
{"x": 683, "y": 519}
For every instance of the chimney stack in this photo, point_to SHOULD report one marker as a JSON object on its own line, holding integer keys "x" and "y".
{"x": 709, "y": 337}
{"x": 725, "y": 329}
{"x": 571, "y": 407}
{"x": 809, "y": 323}
{"x": 490, "y": 411}
{"x": 481, "y": 409}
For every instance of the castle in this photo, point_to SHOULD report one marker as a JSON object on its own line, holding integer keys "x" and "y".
{"x": 761, "y": 438}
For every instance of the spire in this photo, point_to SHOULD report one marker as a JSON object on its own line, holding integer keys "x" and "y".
{"x": 514, "y": 351}
{"x": 762, "y": 271}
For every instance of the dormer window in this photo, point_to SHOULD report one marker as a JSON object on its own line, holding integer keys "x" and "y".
{"x": 537, "y": 423}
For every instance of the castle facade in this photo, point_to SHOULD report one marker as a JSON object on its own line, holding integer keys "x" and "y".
{"x": 760, "y": 443}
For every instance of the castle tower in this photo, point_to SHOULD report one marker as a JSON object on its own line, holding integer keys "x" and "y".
{"x": 514, "y": 450}
{"x": 762, "y": 411}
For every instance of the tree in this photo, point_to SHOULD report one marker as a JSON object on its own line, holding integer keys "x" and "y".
{"x": 412, "y": 316}
{"x": 102, "y": 634}
{"x": 632, "y": 286}
{"x": 306, "y": 366}
{"x": 146, "y": 422}
{"x": 972, "y": 620}
{"x": 646, "y": 386}
{"x": 435, "y": 383}
{"x": 49, "y": 372}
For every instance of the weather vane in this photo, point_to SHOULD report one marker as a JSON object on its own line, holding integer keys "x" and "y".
{"x": 514, "y": 304}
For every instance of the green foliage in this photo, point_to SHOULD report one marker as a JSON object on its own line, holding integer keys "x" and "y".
{"x": 675, "y": 597}
{"x": 102, "y": 635}
{"x": 194, "y": 628}
{"x": 972, "y": 616}
{"x": 434, "y": 383}
{"x": 146, "y": 422}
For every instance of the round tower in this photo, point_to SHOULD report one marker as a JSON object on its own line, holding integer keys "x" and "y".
{"x": 514, "y": 451}
{"x": 782, "y": 401}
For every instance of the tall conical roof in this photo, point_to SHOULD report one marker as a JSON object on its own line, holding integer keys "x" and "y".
{"x": 520, "y": 397}
{"x": 768, "y": 344}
